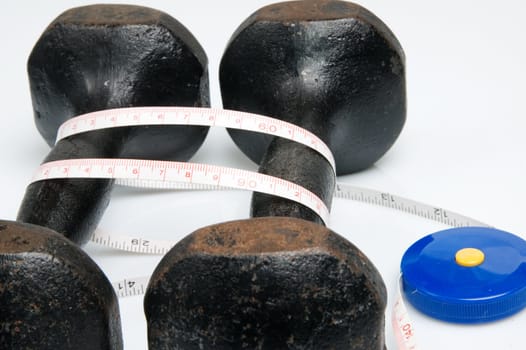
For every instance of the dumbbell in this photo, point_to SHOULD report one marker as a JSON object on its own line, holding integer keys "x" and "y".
{"x": 282, "y": 280}
{"x": 101, "y": 57}
{"x": 52, "y": 295}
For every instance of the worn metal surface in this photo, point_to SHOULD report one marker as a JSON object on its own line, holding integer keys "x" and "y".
{"x": 265, "y": 283}
{"x": 108, "y": 56}
{"x": 330, "y": 66}
{"x": 52, "y": 295}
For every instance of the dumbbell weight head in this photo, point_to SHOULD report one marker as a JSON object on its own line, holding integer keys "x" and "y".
{"x": 101, "y": 57}
{"x": 329, "y": 66}
{"x": 265, "y": 283}
{"x": 52, "y": 295}
{"x": 109, "y": 56}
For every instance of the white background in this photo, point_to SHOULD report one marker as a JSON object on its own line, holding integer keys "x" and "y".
{"x": 462, "y": 147}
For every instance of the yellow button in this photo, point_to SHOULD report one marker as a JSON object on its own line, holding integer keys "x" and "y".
{"x": 469, "y": 257}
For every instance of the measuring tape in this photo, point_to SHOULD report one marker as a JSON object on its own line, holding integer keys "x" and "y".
{"x": 180, "y": 175}
{"x": 160, "y": 247}
{"x": 403, "y": 326}
{"x": 130, "y": 287}
{"x": 136, "y": 116}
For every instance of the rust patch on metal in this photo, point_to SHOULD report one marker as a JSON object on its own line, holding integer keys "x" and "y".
{"x": 18, "y": 238}
{"x": 259, "y": 235}
{"x": 110, "y": 15}
{"x": 320, "y": 10}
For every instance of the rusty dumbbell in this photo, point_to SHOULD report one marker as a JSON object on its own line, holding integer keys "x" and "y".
{"x": 282, "y": 280}
{"x": 100, "y": 57}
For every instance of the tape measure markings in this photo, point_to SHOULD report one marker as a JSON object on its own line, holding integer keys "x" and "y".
{"x": 171, "y": 174}
{"x": 410, "y": 206}
{"x": 141, "y": 116}
{"x": 403, "y": 326}
{"x": 344, "y": 191}
{"x": 132, "y": 244}
{"x": 131, "y": 286}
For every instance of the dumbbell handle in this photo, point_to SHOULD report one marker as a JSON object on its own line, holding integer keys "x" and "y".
{"x": 73, "y": 207}
{"x": 299, "y": 164}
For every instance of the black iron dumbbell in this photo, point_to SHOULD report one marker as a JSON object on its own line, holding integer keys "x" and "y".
{"x": 100, "y": 57}
{"x": 282, "y": 280}
{"x": 52, "y": 295}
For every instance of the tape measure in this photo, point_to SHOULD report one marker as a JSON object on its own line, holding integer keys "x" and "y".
{"x": 466, "y": 275}
{"x": 177, "y": 175}
{"x": 403, "y": 326}
{"x": 182, "y": 175}
{"x": 121, "y": 117}
{"x": 130, "y": 287}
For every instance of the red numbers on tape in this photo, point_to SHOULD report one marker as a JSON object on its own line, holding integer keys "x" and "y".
{"x": 193, "y": 116}
{"x": 178, "y": 175}
{"x": 402, "y": 324}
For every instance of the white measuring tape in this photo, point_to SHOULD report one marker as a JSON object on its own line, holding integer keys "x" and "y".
{"x": 180, "y": 175}
{"x": 135, "y": 116}
{"x": 403, "y": 327}
{"x": 345, "y": 191}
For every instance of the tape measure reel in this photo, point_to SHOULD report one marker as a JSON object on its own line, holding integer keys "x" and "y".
{"x": 466, "y": 275}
